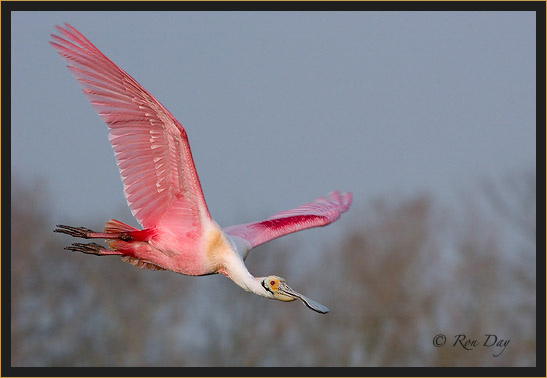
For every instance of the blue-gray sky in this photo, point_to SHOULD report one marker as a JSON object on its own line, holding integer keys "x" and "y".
{"x": 283, "y": 107}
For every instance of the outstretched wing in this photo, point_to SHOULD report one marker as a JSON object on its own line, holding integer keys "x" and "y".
{"x": 151, "y": 147}
{"x": 318, "y": 213}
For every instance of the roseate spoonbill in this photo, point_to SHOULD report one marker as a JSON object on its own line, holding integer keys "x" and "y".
{"x": 162, "y": 188}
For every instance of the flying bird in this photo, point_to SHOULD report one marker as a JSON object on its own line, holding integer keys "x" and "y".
{"x": 162, "y": 187}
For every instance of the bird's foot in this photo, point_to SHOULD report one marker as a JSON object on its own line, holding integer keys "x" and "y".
{"x": 77, "y": 232}
{"x": 92, "y": 249}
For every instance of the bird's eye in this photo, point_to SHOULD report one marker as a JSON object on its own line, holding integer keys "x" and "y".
{"x": 272, "y": 283}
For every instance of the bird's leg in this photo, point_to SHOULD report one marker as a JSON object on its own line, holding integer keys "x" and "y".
{"x": 86, "y": 233}
{"x": 92, "y": 249}
{"x": 118, "y": 241}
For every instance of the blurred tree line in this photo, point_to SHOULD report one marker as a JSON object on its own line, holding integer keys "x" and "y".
{"x": 404, "y": 272}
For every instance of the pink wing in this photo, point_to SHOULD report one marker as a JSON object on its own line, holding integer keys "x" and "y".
{"x": 318, "y": 213}
{"x": 151, "y": 147}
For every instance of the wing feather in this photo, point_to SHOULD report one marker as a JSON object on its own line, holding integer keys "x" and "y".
{"x": 322, "y": 211}
{"x": 151, "y": 147}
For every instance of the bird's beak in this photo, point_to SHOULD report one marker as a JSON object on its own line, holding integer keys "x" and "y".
{"x": 285, "y": 290}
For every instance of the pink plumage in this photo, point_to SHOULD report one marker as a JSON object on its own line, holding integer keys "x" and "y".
{"x": 162, "y": 187}
{"x": 318, "y": 213}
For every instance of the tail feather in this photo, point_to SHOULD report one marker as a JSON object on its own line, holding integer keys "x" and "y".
{"x": 115, "y": 226}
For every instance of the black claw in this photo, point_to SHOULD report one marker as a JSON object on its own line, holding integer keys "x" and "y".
{"x": 77, "y": 232}
{"x": 91, "y": 248}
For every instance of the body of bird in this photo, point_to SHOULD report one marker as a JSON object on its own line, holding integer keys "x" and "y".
{"x": 163, "y": 191}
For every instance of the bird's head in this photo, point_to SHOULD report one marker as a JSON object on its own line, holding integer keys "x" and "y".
{"x": 276, "y": 288}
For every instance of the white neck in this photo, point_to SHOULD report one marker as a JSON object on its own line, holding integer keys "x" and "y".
{"x": 238, "y": 272}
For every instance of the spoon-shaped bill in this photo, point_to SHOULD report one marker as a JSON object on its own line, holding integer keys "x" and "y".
{"x": 315, "y": 306}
